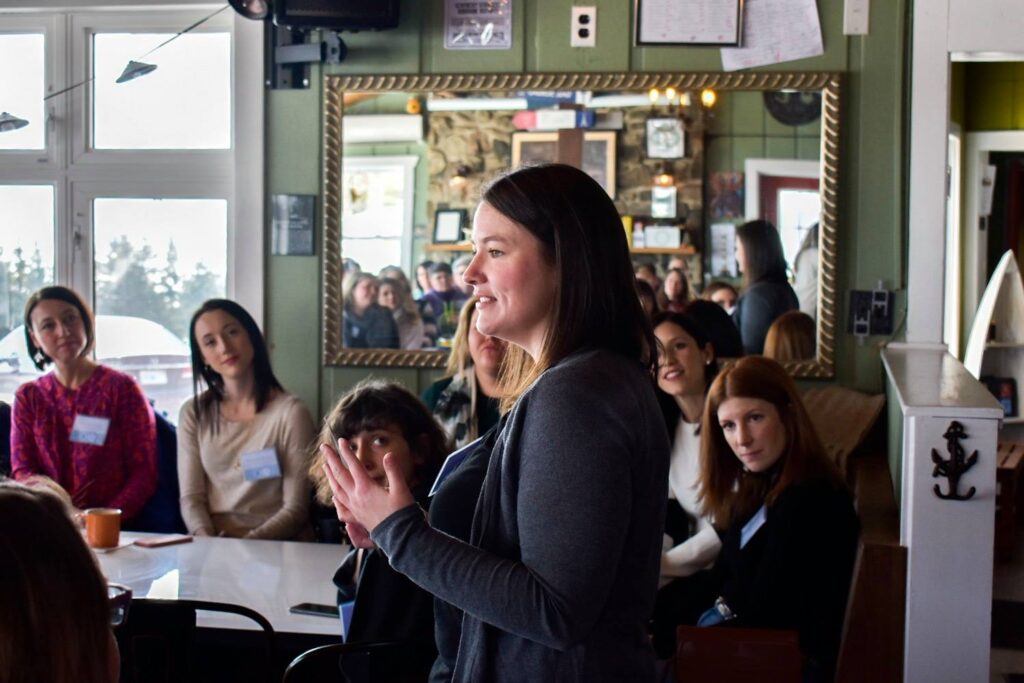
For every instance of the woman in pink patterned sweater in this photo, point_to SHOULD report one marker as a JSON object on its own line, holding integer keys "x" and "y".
{"x": 84, "y": 425}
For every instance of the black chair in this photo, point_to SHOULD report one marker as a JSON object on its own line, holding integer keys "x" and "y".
{"x": 5, "y": 440}
{"x": 162, "y": 512}
{"x": 159, "y": 644}
{"x": 385, "y": 662}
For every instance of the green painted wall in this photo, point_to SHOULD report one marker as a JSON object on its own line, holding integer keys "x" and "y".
{"x": 872, "y": 236}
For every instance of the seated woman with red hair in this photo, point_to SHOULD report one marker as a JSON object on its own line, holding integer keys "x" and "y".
{"x": 790, "y": 527}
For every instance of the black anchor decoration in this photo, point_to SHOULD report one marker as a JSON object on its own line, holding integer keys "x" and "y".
{"x": 957, "y": 464}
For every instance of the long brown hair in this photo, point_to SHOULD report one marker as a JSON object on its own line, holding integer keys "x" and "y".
{"x": 730, "y": 494}
{"x": 791, "y": 337}
{"x": 459, "y": 358}
{"x": 581, "y": 234}
{"x": 54, "y": 615}
{"x": 762, "y": 248}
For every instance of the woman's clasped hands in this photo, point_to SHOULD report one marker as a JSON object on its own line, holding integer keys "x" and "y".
{"x": 363, "y": 503}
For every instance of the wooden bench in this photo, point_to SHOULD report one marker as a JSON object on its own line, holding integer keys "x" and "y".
{"x": 1009, "y": 464}
{"x": 871, "y": 648}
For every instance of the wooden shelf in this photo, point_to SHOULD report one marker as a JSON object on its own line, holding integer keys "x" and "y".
{"x": 462, "y": 246}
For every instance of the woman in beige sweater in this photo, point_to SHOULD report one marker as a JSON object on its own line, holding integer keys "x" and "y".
{"x": 243, "y": 443}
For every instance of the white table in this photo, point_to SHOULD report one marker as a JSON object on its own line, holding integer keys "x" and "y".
{"x": 267, "y": 576}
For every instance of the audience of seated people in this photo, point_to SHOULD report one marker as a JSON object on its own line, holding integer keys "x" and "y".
{"x": 243, "y": 442}
{"x": 365, "y": 323}
{"x": 55, "y": 618}
{"x": 84, "y": 426}
{"x": 466, "y": 400}
{"x": 745, "y": 459}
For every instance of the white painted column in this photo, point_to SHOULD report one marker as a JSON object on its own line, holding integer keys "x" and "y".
{"x": 949, "y": 542}
{"x": 929, "y": 112}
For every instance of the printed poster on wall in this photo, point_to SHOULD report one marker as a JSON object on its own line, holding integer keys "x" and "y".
{"x": 478, "y": 24}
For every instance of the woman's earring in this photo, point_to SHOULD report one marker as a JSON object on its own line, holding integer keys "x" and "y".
{"x": 39, "y": 357}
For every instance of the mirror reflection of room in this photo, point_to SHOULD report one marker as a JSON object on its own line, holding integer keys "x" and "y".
{"x": 680, "y": 168}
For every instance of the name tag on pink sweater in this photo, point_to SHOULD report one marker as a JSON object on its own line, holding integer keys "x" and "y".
{"x": 91, "y": 430}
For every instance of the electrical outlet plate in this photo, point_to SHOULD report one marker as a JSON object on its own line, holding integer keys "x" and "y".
{"x": 871, "y": 312}
{"x": 583, "y": 27}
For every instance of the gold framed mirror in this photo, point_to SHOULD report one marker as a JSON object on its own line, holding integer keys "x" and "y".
{"x": 341, "y": 92}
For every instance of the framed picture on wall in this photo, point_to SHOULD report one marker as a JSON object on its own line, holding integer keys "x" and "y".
{"x": 666, "y": 138}
{"x": 598, "y": 153}
{"x": 448, "y": 224}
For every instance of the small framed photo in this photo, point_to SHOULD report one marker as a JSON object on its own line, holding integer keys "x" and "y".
{"x": 1005, "y": 391}
{"x": 448, "y": 224}
{"x": 666, "y": 138}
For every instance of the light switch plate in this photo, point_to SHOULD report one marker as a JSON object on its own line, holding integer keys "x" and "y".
{"x": 855, "y": 17}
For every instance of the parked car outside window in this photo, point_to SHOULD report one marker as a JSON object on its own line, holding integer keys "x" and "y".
{"x": 159, "y": 361}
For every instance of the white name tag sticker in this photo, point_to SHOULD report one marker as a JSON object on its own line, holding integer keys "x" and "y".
{"x": 260, "y": 465}
{"x": 345, "y": 610}
{"x": 91, "y": 430}
{"x": 751, "y": 527}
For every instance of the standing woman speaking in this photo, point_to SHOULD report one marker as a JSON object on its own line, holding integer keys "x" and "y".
{"x": 767, "y": 293}
{"x": 557, "y": 581}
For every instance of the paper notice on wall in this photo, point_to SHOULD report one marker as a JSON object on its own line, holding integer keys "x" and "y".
{"x": 478, "y": 24}
{"x": 775, "y": 31}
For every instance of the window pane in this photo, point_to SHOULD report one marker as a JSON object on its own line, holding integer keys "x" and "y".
{"x": 26, "y": 264}
{"x": 184, "y": 104}
{"x": 372, "y": 254}
{"x": 798, "y": 211}
{"x": 157, "y": 260}
{"x": 22, "y": 88}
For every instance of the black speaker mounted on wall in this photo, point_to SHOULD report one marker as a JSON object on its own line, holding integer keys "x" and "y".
{"x": 337, "y": 15}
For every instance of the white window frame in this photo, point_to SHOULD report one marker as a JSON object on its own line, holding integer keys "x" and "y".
{"x": 80, "y": 174}
{"x": 406, "y": 164}
{"x": 84, "y": 193}
{"x": 83, "y": 27}
{"x": 54, "y": 55}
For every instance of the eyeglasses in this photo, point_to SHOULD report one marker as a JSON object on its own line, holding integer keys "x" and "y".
{"x": 119, "y": 597}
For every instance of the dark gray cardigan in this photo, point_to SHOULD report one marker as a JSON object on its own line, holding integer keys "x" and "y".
{"x": 558, "y": 581}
